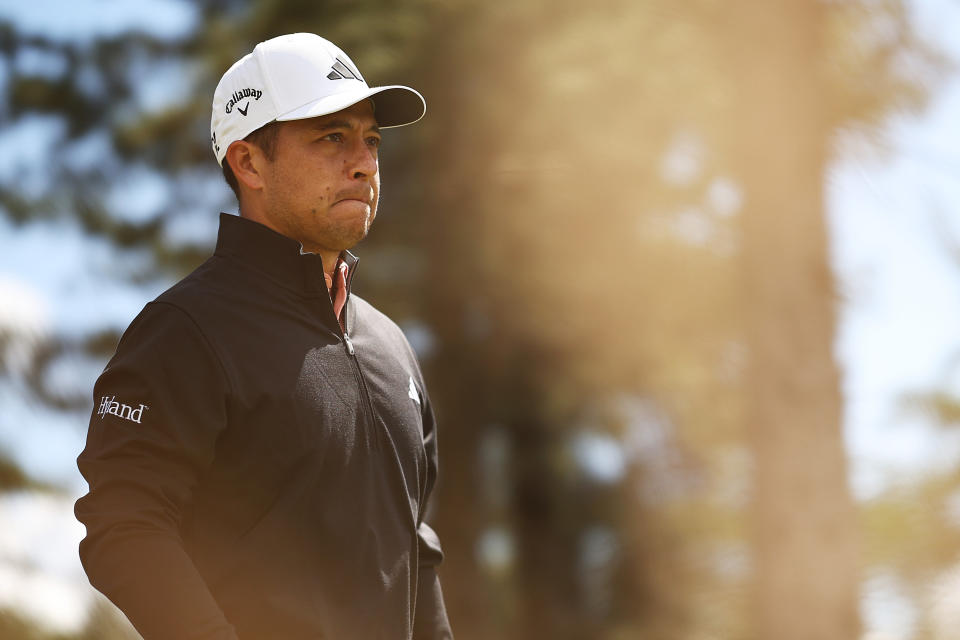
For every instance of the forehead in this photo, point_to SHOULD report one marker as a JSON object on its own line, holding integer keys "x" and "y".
{"x": 359, "y": 116}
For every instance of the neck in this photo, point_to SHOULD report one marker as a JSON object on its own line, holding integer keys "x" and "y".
{"x": 329, "y": 258}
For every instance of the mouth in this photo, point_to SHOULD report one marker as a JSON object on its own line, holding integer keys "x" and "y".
{"x": 360, "y": 196}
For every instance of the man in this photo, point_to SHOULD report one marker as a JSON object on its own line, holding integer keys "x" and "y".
{"x": 262, "y": 445}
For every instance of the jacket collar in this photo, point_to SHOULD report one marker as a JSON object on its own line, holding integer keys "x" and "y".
{"x": 279, "y": 257}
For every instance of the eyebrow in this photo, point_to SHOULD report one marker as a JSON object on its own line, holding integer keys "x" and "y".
{"x": 340, "y": 124}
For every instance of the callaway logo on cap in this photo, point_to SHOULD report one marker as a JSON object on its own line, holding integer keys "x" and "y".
{"x": 297, "y": 76}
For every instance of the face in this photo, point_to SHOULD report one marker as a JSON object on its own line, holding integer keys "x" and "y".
{"x": 323, "y": 184}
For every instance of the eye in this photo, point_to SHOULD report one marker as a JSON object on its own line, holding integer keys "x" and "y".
{"x": 333, "y": 137}
{"x": 374, "y": 142}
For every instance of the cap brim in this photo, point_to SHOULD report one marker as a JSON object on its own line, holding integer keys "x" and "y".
{"x": 393, "y": 106}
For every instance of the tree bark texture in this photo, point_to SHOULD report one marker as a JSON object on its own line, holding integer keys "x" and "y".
{"x": 805, "y": 544}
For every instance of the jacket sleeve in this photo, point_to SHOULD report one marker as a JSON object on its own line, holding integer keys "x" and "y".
{"x": 158, "y": 409}
{"x": 430, "y": 621}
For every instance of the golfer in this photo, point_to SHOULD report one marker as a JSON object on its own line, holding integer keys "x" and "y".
{"x": 262, "y": 445}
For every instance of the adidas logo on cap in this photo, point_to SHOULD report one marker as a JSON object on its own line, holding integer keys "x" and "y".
{"x": 340, "y": 71}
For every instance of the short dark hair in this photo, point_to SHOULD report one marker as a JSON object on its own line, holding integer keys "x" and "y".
{"x": 266, "y": 138}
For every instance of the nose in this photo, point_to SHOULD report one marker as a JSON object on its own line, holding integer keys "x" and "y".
{"x": 363, "y": 161}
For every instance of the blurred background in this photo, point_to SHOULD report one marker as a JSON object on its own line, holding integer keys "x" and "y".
{"x": 684, "y": 278}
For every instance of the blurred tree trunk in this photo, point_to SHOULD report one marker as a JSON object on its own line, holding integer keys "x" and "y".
{"x": 806, "y": 568}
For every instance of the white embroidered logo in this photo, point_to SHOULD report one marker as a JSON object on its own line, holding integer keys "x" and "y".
{"x": 110, "y": 407}
{"x": 412, "y": 392}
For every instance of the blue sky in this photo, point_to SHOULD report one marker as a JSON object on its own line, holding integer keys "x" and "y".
{"x": 83, "y": 20}
{"x": 892, "y": 219}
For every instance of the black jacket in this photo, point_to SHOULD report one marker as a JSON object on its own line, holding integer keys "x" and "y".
{"x": 254, "y": 471}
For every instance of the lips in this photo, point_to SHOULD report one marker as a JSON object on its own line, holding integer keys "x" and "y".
{"x": 365, "y": 196}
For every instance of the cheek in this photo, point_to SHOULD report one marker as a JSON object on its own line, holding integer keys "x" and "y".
{"x": 310, "y": 185}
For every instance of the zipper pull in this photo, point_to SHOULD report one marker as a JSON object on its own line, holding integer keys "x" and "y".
{"x": 347, "y": 341}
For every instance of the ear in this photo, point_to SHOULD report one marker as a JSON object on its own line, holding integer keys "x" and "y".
{"x": 247, "y": 162}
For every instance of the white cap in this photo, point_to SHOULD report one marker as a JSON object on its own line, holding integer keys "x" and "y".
{"x": 297, "y": 76}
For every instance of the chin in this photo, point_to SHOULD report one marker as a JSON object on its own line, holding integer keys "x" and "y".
{"x": 363, "y": 227}
{"x": 357, "y": 239}
{"x": 353, "y": 236}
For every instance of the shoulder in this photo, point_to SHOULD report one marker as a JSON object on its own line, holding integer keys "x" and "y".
{"x": 374, "y": 320}
{"x": 162, "y": 330}
{"x": 162, "y": 346}
{"x": 170, "y": 326}
{"x": 369, "y": 313}
{"x": 212, "y": 295}
{"x": 197, "y": 286}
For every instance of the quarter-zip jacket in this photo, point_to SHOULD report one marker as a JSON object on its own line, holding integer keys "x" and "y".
{"x": 257, "y": 472}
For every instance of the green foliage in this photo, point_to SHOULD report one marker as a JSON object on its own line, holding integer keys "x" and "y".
{"x": 942, "y": 405}
{"x": 12, "y": 477}
{"x": 912, "y": 529}
{"x": 14, "y": 627}
{"x": 103, "y": 623}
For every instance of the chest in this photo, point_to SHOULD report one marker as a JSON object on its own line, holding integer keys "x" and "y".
{"x": 306, "y": 412}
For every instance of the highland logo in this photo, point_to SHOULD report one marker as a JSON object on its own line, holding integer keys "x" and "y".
{"x": 110, "y": 407}
{"x": 243, "y": 94}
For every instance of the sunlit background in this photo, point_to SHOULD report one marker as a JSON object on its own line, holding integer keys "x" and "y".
{"x": 684, "y": 278}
